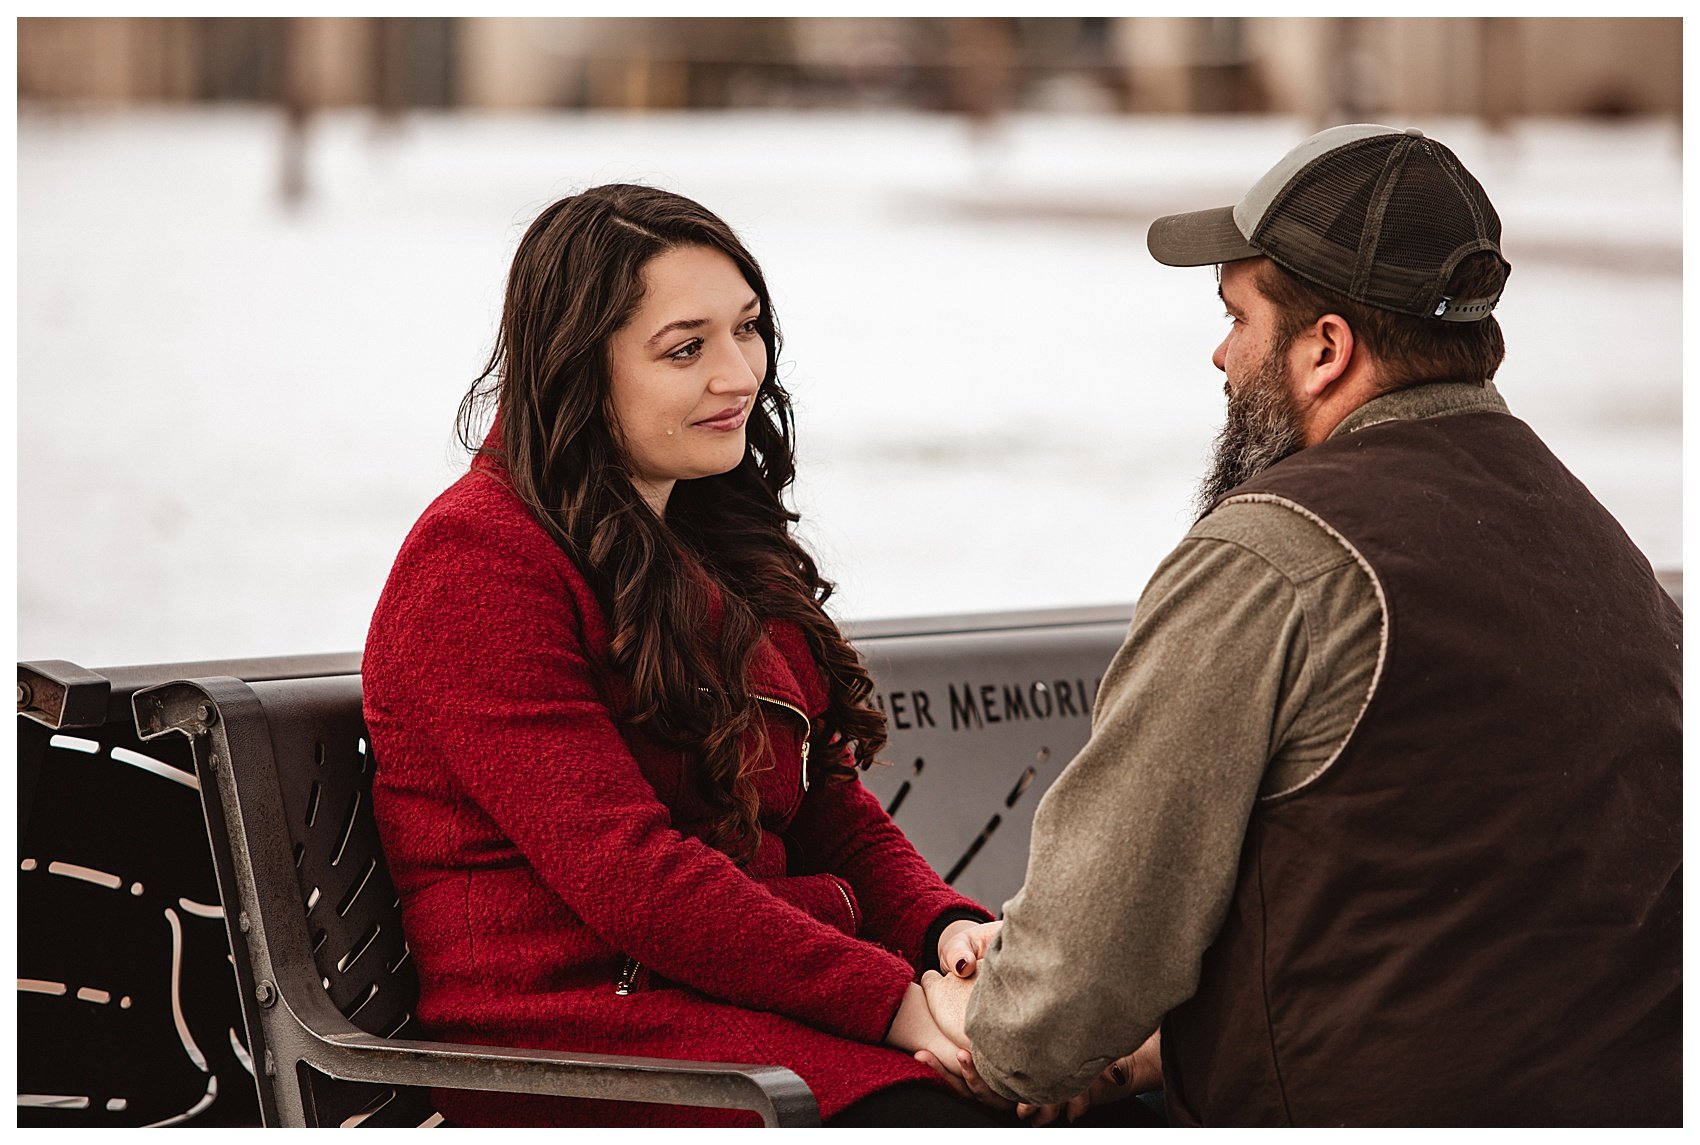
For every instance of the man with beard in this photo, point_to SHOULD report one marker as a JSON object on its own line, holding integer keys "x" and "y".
{"x": 1380, "y": 816}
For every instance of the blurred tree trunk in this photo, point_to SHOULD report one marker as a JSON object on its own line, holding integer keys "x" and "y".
{"x": 982, "y": 68}
{"x": 295, "y": 100}
{"x": 1502, "y": 72}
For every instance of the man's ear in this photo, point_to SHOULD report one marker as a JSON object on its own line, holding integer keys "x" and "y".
{"x": 1324, "y": 356}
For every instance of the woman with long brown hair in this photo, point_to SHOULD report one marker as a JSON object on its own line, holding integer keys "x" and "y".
{"x": 617, "y": 735}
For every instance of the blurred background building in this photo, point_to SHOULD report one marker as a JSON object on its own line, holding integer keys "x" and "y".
{"x": 259, "y": 261}
{"x": 1327, "y": 68}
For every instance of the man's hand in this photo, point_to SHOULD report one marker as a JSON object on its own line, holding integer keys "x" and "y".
{"x": 976, "y": 1085}
{"x": 963, "y": 944}
{"x": 1139, "y": 1072}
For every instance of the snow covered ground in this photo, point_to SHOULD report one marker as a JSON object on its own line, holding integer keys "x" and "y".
{"x": 229, "y": 413}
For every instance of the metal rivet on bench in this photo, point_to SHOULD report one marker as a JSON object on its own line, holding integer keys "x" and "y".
{"x": 242, "y": 922}
{"x": 23, "y": 694}
{"x": 266, "y": 993}
{"x": 207, "y": 714}
{"x": 212, "y": 761}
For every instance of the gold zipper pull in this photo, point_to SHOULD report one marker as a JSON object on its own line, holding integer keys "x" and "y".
{"x": 808, "y": 727}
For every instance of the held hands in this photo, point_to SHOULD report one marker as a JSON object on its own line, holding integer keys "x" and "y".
{"x": 947, "y": 998}
{"x": 962, "y": 945}
{"x": 917, "y": 1026}
{"x": 961, "y": 948}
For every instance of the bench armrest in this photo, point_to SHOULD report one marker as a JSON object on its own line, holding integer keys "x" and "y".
{"x": 775, "y": 1093}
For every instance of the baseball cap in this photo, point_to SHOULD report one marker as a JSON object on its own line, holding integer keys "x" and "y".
{"x": 1380, "y": 214}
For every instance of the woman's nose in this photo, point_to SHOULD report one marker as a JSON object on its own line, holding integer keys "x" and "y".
{"x": 733, "y": 373}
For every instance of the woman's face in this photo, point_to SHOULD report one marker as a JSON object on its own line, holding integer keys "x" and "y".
{"x": 685, "y": 370}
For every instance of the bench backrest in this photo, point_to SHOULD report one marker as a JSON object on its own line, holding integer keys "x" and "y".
{"x": 983, "y": 715}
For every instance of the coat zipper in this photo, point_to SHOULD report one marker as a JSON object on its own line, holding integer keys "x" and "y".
{"x": 628, "y": 977}
{"x": 855, "y": 923}
{"x": 807, "y": 727}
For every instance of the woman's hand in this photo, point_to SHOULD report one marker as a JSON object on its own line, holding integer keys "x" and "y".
{"x": 947, "y": 999}
{"x": 914, "y": 1030}
{"x": 963, "y": 943}
{"x": 1139, "y": 1072}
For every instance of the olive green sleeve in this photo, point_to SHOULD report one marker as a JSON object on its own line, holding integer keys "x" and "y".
{"x": 1136, "y": 846}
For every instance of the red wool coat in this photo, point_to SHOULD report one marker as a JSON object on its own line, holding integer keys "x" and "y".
{"x": 542, "y": 847}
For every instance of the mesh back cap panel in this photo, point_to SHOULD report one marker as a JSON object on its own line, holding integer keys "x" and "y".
{"x": 1379, "y": 214}
{"x": 1380, "y": 224}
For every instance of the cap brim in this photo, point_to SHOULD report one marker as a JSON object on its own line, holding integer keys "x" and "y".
{"x": 1198, "y": 238}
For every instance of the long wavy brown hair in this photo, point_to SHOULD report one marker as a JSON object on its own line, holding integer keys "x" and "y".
{"x": 576, "y": 279}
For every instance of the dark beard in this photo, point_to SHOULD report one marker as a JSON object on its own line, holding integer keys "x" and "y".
{"x": 1262, "y": 428}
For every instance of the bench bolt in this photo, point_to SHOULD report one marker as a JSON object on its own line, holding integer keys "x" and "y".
{"x": 266, "y": 993}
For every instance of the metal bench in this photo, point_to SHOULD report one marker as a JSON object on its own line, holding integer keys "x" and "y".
{"x": 984, "y": 711}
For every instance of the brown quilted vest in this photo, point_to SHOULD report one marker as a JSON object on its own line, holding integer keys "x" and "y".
{"x": 1474, "y": 915}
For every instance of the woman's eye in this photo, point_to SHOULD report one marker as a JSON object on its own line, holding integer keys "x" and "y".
{"x": 749, "y": 327}
{"x": 688, "y": 351}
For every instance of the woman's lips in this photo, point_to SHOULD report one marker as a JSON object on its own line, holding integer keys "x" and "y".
{"x": 726, "y": 420}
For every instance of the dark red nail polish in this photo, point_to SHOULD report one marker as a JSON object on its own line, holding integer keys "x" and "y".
{"x": 961, "y": 963}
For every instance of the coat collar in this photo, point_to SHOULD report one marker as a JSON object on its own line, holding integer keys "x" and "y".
{"x": 1431, "y": 399}
{"x": 781, "y": 666}
{"x": 777, "y": 665}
